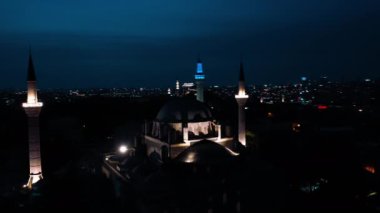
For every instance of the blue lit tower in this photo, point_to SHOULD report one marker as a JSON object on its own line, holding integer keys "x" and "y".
{"x": 241, "y": 99}
{"x": 199, "y": 78}
{"x": 33, "y": 108}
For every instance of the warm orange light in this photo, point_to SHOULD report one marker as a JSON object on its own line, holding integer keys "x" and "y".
{"x": 370, "y": 169}
{"x": 296, "y": 127}
{"x": 270, "y": 114}
{"x": 190, "y": 158}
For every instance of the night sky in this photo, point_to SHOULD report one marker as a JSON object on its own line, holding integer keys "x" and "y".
{"x": 133, "y": 43}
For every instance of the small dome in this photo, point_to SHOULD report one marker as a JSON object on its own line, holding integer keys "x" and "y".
{"x": 205, "y": 152}
{"x": 184, "y": 110}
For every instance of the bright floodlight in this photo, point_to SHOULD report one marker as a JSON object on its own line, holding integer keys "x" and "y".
{"x": 123, "y": 149}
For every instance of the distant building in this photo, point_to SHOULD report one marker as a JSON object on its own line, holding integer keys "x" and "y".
{"x": 199, "y": 80}
{"x": 188, "y": 87}
{"x": 177, "y": 88}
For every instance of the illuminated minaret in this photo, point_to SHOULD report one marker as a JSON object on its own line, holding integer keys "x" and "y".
{"x": 241, "y": 99}
{"x": 177, "y": 88}
{"x": 199, "y": 77}
{"x": 33, "y": 108}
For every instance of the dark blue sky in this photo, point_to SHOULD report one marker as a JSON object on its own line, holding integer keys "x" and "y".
{"x": 120, "y": 43}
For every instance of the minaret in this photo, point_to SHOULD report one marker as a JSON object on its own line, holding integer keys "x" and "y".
{"x": 241, "y": 99}
{"x": 177, "y": 88}
{"x": 199, "y": 77}
{"x": 33, "y": 108}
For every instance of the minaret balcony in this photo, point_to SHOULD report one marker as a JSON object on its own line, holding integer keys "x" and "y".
{"x": 241, "y": 96}
{"x": 29, "y": 105}
{"x": 199, "y": 77}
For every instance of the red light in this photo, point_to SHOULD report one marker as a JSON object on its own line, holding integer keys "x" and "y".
{"x": 322, "y": 107}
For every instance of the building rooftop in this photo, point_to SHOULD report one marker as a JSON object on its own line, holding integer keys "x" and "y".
{"x": 184, "y": 110}
{"x": 206, "y": 152}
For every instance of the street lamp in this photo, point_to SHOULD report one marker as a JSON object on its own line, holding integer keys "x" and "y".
{"x": 123, "y": 149}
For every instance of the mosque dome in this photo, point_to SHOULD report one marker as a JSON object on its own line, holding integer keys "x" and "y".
{"x": 184, "y": 110}
{"x": 205, "y": 152}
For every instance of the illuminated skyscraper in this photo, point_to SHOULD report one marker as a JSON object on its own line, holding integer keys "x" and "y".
{"x": 241, "y": 99}
{"x": 33, "y": 108}
{"x": 199, "y": 78}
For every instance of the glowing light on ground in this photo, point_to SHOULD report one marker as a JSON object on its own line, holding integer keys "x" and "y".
{"x": 190, "y": 158}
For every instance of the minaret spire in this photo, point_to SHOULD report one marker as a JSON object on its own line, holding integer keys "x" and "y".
{"x": 241, "y": 99}
{"x": 241, "y": 79}
{"x": 199, "y": 78}
{"x": 32, "y": 109}
{"x": 241, "y": 73}
{"x": 31, "y": 81}
{"x": 31, "y": 73}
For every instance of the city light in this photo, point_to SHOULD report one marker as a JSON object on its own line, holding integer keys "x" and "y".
{"x": 188, "y": 85}
{"x": 296, "y": 127}
{"x": 123, "y": 149}
{"x": 370, "y": 169}
{"x": 322, "y": 107}
{"x": 372, "y": 194}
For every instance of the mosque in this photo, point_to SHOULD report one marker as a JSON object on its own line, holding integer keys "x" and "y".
{"x": 182, "y": 123}
{"x": 184, "y": 129}
{"x": 188, "y": 158}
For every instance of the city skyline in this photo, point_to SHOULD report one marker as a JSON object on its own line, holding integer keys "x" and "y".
{"x": 190, "y": 106}
{"x": 117, "y": 45}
